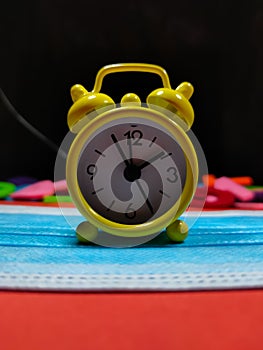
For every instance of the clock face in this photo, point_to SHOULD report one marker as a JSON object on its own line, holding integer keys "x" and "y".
{"x": 131, "y": 171}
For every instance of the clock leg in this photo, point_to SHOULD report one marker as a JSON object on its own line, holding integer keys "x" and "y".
{"x": 177, "y": 231}
{"x": 86, "y": 232}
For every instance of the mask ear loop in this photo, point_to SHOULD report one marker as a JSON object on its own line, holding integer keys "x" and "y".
{"x": 18, "y": 117}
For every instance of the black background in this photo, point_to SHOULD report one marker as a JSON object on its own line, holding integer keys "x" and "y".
{"x": 48, "y": 46}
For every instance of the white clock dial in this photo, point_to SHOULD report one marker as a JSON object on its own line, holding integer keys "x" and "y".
{"x": 131, "y": 171}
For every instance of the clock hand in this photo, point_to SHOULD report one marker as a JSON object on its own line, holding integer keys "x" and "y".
{"x": 114, "y": 139}
{"x": 151, "y": 160}
{"x": 144, "y": 196}
{"x": 130, "y": 149}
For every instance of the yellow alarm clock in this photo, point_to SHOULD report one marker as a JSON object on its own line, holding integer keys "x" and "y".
{"x": 131, "y": 170}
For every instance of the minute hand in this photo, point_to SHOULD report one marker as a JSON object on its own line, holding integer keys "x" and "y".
{"x": 151, "y": 160}
{"x": 122, "y": 154}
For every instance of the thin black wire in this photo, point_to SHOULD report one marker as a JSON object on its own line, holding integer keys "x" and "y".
{"x": 29, "y": 126}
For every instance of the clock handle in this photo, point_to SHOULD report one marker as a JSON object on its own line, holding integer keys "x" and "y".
{"x": 130, "y": 67}
{"x": 177, "y": 101}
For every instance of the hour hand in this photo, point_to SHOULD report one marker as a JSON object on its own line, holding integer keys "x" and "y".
{"x": 151, "y": 160}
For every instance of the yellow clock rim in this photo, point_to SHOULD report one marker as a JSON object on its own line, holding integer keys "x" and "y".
{"x": 151, "y": 226}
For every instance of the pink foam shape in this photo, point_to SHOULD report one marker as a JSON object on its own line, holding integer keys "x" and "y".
{"x": 36, "y": 191}
{"x": 61, "y": 186}
{"x": 249, "y": 206}
{"x": 240, "y": 192}
{"x": 211, "y": 199}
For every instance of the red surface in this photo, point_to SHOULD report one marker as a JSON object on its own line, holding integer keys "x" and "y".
{"x": 189, "y": 320}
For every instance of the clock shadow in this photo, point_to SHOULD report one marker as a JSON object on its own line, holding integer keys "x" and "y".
{"x": 106, "y": 240}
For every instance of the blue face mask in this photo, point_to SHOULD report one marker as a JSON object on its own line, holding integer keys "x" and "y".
{"x": 39, "y": 250}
